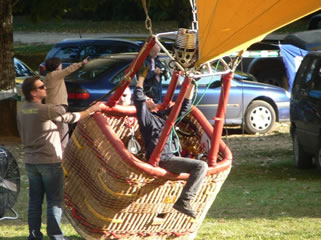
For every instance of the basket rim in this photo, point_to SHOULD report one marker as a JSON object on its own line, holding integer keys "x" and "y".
{"x": 147, "y": 168}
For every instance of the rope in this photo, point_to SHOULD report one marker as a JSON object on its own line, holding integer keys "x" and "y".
{"x": 148, "y": 21}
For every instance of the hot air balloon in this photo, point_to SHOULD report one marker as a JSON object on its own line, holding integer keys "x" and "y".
{"x": 112, "y": 193}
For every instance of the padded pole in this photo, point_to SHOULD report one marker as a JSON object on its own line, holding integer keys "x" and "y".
{"x": 219, "y": 119}
{"x": 154, "y": 158}
{"x": 131, "y": 71}
{"x": 170, "y": 90}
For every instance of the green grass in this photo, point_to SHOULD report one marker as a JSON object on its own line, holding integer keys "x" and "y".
{"x": 264, "y": 197}
{"x": 31, "y": 54}
{"x": 32, "y": 49}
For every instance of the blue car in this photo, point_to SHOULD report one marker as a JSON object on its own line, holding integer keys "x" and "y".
{"x": 305, "y": 112}
{"x": 255, "y": 106}
{"x": 75, "y": 50}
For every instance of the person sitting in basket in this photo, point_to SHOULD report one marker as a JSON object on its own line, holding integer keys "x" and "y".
{"x": 151, "y": 124}
{"x": 126, "y": 98}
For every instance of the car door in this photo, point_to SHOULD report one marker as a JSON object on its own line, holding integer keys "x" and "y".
{"x": 208, "y": 95}
{"x": 207, "y": 98}
{"x": 305, "y": 107}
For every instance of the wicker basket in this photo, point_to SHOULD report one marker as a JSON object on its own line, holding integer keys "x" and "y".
{"x": 112, "y": 194}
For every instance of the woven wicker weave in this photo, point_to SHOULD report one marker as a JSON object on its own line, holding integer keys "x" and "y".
{"x": 111, "y": 194}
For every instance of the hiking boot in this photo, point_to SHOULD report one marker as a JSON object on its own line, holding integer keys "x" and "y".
{"x": 184, "y": 206}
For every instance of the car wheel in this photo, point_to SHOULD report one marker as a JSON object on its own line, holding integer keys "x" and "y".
{"x": 317, "y": 158}
{"x": 259, "y": 117}
{"x": 302, "y": 159}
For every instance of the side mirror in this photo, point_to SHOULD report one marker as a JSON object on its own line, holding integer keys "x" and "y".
{"x": 315, "y": 94}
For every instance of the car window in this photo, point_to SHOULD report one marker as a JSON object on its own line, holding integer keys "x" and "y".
{"x": 300, "y": 82}
{"x": 68, "y": 54}
{"x": 94, "y": 69}
{"x": 310, "y": 72}
{"x": 316, "y": 76}
{"x": 94, "y": 51}
{"x": 52, "y": 52}
{"x": 119, "y": 76}
{"x": 22, "y": 70}
{"x": 114, "y": 69}
{"x": 122, "y": 48}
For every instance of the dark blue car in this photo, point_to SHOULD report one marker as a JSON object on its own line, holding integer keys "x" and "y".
{"x": 253, "y": 105}
{"x": 305, "y": 112}
{"x": 75, "y": 50}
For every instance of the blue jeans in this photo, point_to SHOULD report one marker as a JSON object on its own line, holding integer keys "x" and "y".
{"x": 196, "y": 168}
{"x": 45, "y": 179}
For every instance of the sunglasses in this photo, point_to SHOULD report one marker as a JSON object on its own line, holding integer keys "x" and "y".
{"x": 42, "y": 87}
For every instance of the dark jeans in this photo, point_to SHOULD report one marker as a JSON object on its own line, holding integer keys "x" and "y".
{"x": 45, "y": 179}
{"x": 196, "y": 168}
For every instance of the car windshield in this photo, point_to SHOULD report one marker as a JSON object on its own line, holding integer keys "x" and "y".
{"x": 22, "y": 70}
{"x": 98, "y": 67}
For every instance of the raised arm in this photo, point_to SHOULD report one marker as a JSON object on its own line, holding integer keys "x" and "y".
{"x": 190, "y": 91}
{"x": 140, "y": 82}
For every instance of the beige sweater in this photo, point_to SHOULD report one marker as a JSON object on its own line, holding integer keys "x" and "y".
{"x": 56, "y": 87}
{"x": 39, "y": 133}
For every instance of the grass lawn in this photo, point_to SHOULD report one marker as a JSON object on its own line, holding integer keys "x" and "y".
{"x": 264, "y": 197}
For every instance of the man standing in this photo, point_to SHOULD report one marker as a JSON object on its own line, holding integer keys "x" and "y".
{"x": 56, "y": 89}
{"x": 43, "y": 155}
{"x": 151, "y": 124}
{"x": 153, "y": 81}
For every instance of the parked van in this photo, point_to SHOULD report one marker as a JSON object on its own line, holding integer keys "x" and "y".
{"x": 305, "y": 112}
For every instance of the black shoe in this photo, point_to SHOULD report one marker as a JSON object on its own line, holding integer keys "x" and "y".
{"x": 34, "y": 236}
{"x": 184, "y": 206}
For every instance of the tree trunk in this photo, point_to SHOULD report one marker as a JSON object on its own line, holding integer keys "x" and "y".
{"x": 7, "y": 73}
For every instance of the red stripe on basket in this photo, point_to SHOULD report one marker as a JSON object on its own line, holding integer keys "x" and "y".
{"x": 107, "y": 167}
{"x": 89, "y": 183}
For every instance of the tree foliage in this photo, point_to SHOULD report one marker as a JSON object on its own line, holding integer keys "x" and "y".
{"x": 126, "y": 10}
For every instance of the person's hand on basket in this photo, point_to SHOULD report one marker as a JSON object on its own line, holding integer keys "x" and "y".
{"x": 97, "y": 107}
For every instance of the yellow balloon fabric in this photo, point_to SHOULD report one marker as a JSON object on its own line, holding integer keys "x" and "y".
{"x": 227, "y": 26}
